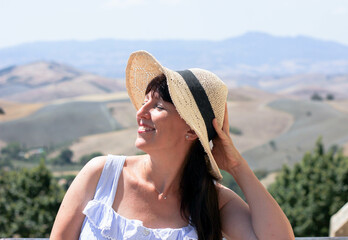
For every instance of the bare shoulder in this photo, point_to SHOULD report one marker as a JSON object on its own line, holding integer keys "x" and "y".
{"x": 70, "y": 217}
{"x": 88, "y": 177}
{"x": 90, "y": 174}
{"x": 94, "y": 166}
{"x": 86, "y": 181}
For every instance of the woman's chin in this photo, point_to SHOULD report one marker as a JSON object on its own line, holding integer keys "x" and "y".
{"x": 140, "y": 144}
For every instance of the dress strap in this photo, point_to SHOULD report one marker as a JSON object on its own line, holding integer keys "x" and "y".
{"x": 107, "y": 185}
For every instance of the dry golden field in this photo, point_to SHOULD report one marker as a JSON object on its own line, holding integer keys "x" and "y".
{"x": 15, "y": 110}
{"x": 118, "y": 142}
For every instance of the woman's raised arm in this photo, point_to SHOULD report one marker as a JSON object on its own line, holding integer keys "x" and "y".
{"x": 261, "y": 218}
{"x": 69, "y": 219}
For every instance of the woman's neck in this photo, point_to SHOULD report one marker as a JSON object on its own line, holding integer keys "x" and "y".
{"x": 164, "y": 170}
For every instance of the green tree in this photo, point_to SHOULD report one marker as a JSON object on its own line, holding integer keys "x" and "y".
{"x": 273, "y": 145}
{"x": 5, "y": 162}
{"x": 316, "y": 97}
{"x": 330, "y": 96}
{"x": 12, "y": 150}
{"x": 29, "y": 201}
{"x": 64, "y": 157}
{"x": 313, "y": 190}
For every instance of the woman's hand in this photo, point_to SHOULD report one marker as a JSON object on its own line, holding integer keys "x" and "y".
{"x": 225, "y": 153}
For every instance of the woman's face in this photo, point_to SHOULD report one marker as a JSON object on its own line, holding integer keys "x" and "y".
{"x": 160, "y": 125}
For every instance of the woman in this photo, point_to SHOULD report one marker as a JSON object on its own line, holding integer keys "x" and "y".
{"x": 173, "y": 191}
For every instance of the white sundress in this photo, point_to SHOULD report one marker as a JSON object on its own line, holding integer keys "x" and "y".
{"x": 102, "y": 222}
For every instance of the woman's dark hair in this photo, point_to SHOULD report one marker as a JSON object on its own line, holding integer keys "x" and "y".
{"x": 199, "y": 199}
{"x": 159, "y": 85}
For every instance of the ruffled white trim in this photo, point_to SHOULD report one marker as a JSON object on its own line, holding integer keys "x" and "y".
{"x": 114, "y": 226}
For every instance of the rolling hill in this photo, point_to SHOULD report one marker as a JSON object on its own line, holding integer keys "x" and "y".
{"x": 48, "y": 81}
{"x": 275, "y": 130}
{"x": 311, "y": 120}
{"x": 305, "y": 85}
{"x": 58, "y": 124}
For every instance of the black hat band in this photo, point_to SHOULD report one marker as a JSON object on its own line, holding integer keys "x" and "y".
{"x": 201, "y": 100}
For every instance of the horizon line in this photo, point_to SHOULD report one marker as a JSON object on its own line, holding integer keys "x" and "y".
{"x": 171, "y": 39}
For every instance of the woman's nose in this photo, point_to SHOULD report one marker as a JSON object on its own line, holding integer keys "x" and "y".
{"x": 143, "y": 112}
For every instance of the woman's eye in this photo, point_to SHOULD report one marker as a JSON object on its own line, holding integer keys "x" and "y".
{"x": 160, "y": 107}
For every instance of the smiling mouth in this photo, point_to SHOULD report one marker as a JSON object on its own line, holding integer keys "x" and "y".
{"x": 143, "y": 129}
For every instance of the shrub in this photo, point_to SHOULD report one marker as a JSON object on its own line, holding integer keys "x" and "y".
{"x": 12, "y": 150}
{"x": 63, "y": 158}
{"x": 313, "y": 190}
{"x": 330, "y": 96}
{"x": 235, "y": 131}
{"x": 273, "y": 145}
{"x": 29, "y": 201}
{"x": 316, "y": 97}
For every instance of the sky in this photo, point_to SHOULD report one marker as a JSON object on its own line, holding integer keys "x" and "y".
{"x": 23, "y": 21}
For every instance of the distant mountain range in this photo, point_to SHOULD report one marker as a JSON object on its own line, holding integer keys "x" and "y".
{"x": 45, "y": 71}
{"x": 252, "y": 54}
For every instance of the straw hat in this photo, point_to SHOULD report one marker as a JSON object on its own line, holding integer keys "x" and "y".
{"x": 197, "y": 94}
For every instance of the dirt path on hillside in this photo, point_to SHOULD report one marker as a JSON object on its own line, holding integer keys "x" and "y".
{"x": 340, "y": 105}
{"x": 258, "y": 122}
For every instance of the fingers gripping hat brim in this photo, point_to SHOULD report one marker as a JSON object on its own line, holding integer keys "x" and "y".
{"x": 143, "y": 67}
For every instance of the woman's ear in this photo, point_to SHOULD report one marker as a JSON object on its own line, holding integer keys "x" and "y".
{"x": 191, "y": 135}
